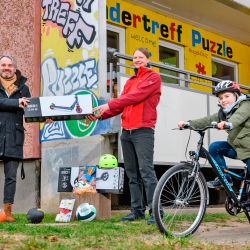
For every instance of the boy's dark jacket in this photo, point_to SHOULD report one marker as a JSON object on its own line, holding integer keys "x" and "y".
{"x": 239, "y": 136}
{"x": 11, "y": 119}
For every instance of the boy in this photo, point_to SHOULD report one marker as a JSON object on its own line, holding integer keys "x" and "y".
{"x": 235, "y": 112}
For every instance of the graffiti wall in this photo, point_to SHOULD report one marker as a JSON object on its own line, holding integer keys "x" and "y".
{"x": 69, "y": 61}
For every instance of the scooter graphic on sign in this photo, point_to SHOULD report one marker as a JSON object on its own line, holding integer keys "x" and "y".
{"x": 76, "y": 103}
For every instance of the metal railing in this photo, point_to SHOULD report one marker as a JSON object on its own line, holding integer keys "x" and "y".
{"x": 187, "y": 79}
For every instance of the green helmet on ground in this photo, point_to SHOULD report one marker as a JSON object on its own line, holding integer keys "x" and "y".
{"x": 108, "y": 161}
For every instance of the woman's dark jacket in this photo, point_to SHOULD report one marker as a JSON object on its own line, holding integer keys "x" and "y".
{"x": 11, "y": 119}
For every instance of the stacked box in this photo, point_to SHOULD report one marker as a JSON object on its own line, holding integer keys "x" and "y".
{"x": 110, "y": 180}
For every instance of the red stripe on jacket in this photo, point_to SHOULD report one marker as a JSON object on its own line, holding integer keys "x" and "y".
{"x": 138, "y": 100}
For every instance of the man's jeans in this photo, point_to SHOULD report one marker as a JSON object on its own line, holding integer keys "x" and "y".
{"x": 138, "y": 151}
{"x": 10, "y": 171}
{"x": 219, "y": 149}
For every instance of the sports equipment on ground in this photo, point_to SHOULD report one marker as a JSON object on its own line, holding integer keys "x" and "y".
{"x": 108, "y": 161}
{"x": 35, "y": 215}
{"x": 86, "y": 212}
{"x": 2, "y": 215}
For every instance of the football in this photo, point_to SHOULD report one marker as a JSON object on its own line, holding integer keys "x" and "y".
{"x": 35, "y": 215}
{"x": 86, "y": 212}
{"x": 2, "y": 215}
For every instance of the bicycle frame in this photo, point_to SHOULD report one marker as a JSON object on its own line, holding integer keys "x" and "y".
{"x": 203, "y": 153}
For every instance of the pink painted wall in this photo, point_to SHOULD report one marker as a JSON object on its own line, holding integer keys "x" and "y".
{"x": 20, "y": 37}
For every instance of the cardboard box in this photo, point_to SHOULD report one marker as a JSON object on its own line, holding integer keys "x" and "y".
{"x": 68, "y": 177}
{"x": 110, "y": 180}
{"x": 66, "y": 207}
{"x": 58, "y": 108}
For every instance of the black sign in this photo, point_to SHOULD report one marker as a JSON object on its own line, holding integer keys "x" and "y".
{"x": 64, "y": 184}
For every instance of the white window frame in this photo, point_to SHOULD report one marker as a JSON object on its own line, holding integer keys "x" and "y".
{"x": 122, "y": 42}
{"x": 180, "y": 50}
{"x": 230, "y": 64}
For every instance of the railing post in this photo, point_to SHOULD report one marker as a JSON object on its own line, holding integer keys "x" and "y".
{"x": 111, "y": 80}
{"x": 188, "y": 82}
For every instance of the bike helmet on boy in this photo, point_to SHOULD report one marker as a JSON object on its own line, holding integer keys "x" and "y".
{"x": 108, "y": 161}
{"x": 227, "y": 85}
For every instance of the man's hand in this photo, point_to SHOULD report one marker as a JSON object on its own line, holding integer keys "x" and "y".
{"x": 23, "y": 102}
{"x": 221, "y": 125}
{"x": 93, "y": 117}
{"x": 101, "y": 109}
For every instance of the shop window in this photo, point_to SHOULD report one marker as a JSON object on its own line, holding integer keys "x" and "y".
{"x": 171, "y": 55}
{"x": 224, "y": 70}
{"x": 115, "y": 43}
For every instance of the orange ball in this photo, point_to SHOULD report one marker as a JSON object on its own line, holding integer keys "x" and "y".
{"x": 2, "y": 215}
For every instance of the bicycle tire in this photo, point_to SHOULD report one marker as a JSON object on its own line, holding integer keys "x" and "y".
{"x": 175, "y": 211}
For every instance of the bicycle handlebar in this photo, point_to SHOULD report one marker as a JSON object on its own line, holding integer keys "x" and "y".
{"x": 186, "y": 126}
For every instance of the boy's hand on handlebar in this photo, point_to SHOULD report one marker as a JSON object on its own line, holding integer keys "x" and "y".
{"x": 221, "y": 125}
{"x": 181, "y": 124}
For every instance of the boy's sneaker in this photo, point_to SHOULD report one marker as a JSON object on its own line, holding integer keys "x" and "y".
{"x": 131, "y": 217}
{"x": 217, "y": 183}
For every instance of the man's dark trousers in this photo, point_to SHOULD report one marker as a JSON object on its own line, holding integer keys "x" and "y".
{"x": 10, "y": 171}
{"x": 138, "y": 152}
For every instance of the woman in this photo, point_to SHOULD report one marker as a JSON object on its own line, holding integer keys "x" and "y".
{"x": 137, "y": 104}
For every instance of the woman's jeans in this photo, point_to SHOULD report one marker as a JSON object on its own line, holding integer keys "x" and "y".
{"x": 219, "y": 149}
{"x": 10, "y": 171}
{"x": 138, "y": 152}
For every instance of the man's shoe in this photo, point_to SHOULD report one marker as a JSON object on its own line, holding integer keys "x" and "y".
{"x": 217, "y": 183}
{"x": 151, "y": 220}
{"x": 131, "y": 217}
{"x": 7, "y": 210}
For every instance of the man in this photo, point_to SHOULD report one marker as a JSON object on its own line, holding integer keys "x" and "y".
{"x": 13, "y": 92}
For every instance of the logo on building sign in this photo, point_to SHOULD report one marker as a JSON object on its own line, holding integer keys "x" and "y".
{"x": 116, "y": 15}
{"x": 201, "y": 69}
{"x": 217, "y": 48}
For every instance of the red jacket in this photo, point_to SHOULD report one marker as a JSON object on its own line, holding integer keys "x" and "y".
{"x": 138, "y": 100}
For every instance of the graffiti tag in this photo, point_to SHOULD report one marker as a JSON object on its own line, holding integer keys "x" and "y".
{"x": 58, "y": 81}
{"x": 75, "y": 28}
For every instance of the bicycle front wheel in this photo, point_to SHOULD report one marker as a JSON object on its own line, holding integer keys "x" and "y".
{"x": 183, "y": 210}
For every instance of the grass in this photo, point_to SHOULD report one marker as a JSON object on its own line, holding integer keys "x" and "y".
{"x": 98, "y": 234}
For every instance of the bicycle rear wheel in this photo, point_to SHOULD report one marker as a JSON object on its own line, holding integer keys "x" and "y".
{"x": 182, "y": 216}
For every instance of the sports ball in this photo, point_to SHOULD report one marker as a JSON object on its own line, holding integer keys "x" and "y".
{"x": 2, "y": 215}
{"x": 86, "y": 212}
{"x": 35, "y": 215}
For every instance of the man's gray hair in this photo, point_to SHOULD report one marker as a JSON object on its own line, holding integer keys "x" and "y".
{"x": 11, "y": 58}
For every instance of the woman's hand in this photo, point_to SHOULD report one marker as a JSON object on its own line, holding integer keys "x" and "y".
{"x": 181, "y": 123}
{"x": 93, "y": 117}
{"x": 48, "y": 121}
{"x": 102, "y": 109}
{"x": 221, "y": 125}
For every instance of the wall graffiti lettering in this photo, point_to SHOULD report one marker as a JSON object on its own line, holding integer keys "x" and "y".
{"x": 75, "y": 28}
{"x": 86, "y": 4}
{"x": 65, "y": 81}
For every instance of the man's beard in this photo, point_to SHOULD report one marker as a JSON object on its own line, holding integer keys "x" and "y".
{"x": 7, "y": 76}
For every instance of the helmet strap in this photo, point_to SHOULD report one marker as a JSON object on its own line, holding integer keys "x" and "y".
{"x": 236, "y": 96}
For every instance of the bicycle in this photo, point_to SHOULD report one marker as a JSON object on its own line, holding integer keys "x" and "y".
{"x": 182, "y": 191}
